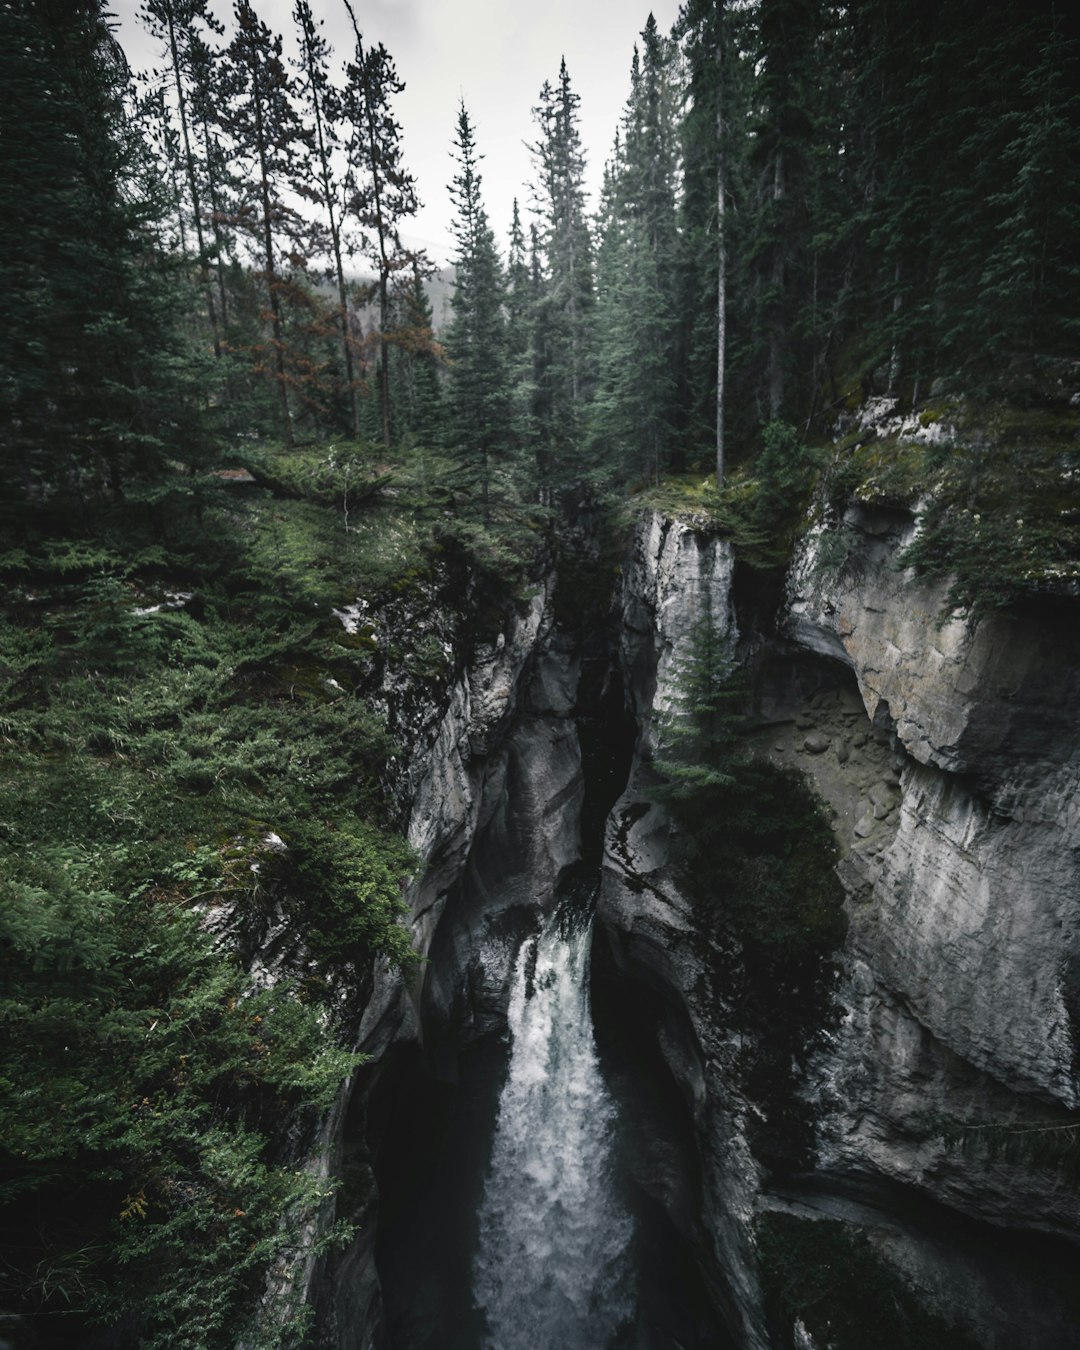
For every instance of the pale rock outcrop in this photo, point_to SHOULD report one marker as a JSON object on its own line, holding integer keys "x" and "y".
{"x": 953, "y": 777}
{"x": 496, "y": 759}
{"x": 972, "y": 917}
{"x": 674, "y": 577}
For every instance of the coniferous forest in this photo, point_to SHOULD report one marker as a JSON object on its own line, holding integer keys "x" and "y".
{"x": 255, "y": 509}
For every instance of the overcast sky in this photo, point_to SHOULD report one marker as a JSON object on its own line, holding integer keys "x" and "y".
{"x": 495, "y": 54}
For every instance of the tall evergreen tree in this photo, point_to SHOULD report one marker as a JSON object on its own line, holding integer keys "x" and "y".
{"x": 92, "y": 370}
{"x": 703, "y": 25}
{"x": 173, "y": 22}
{"x": 633, "y": 412}
{"x": 382, "y": 193}
{"x": 567, "y": 375}
{"x": 416, "y": 361}
{"x": 212, "y": 159}
{"x": 789, "y": 71}
{"x": 476, "y": 342}
{"x": 322, "y": 103}
{"x": 521, "y": 336}
{"x": 257, "y": 111}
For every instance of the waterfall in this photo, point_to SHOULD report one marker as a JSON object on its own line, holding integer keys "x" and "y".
{"x": 553, "y": 1263}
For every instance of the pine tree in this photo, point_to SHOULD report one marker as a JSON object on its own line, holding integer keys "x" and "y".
{"x": 94, "y": 393}
{"x": 567, "y": 375}
{"x": 633, "y": 412}
{"x": 476, "y": 343}
{"x": 323, "y": 106}
{"x": 521, "y": 337}
{"x": 417, "y": 362}
{"x": 700, "y": 749}
{"x": 789, "y": 73}
{"x": 382, "y": 193}
{"x": 173, "y": 22}
{"x": 212, "y": 159}
{"x": 257, "y": 111}
{"x": 703, "y": 27}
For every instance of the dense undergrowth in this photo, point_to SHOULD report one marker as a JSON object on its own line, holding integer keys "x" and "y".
{"x": 190, "y": 744}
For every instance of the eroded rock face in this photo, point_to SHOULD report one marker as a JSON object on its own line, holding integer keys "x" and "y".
{"x": 674, "y": 576}
{"x": 990, "y": 699}
{"x": 959, "y": 997}
{"x": 973, "y": 914}
{"x": 950, "y": 757}
{"x": 494, "y": 781}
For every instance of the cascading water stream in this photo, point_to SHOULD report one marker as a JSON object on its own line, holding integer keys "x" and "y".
{"x": 553, "y": 1263}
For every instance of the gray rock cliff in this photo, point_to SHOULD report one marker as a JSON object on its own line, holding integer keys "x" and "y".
{"x": 949, "y": 755}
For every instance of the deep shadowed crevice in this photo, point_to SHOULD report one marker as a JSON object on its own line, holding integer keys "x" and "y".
{"x": 658, "y": 1152}
{"x": 430, "y": 1142}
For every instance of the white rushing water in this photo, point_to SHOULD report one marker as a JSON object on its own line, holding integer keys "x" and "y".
{"x": 552, "y": 1268}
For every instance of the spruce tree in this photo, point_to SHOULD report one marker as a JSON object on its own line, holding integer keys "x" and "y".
{"x": 522, "y": 301}
{"x": 257, "y": 112}
{"x": 416, "y": 362}
{"x": 567, "y": 374}
{"x": 633, "y": 412}
{"x": 476, "y": 343}
{"x": 94, "y": 379}
{"x": 789, "y": 72}
{"x": 382, "y": 193}
{"x": 703, "y": 26}
{"x": 173, "y": 22}
{"x": 322, "y": 103}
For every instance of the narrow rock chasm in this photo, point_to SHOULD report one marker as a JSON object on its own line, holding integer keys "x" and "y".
{"x": 487, "y": 1213}
{"x": 751, "y": 1164}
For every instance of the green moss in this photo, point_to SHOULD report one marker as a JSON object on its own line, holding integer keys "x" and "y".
{"x": 999, "y": 503}
{"x": 887, "y": 470}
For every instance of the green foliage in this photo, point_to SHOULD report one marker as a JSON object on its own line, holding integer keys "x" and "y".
{"x": 830, "y": 1278}
{"x": 479, "y": 397}
{"x": 997, "y": 495}
{"x": 142, "y": 1079}
{"x": 343, "y": 474}
{"x": 762, "y": 504}
{"x": 346, "y": 879}
{"x": 97, "y": 386}
{"x": 758, "y": 855}
{"x": 167, "y": 703}
{"x": 563, "y": 356}
{"x": 1003, "y": 521}
{"x": 785, "y": 470}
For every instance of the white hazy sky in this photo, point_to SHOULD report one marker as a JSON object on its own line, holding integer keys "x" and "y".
{"x": 494, "y": 54}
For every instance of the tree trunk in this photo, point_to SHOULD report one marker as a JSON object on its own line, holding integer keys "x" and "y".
{"x": 776, "y": 322}
{"x": 268, "y": 245}
{"x": 193, "y": 186}
{"x": 721, "y": 249}
{"x": 380, "y": 226}
{"x": 335, "y": 238}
